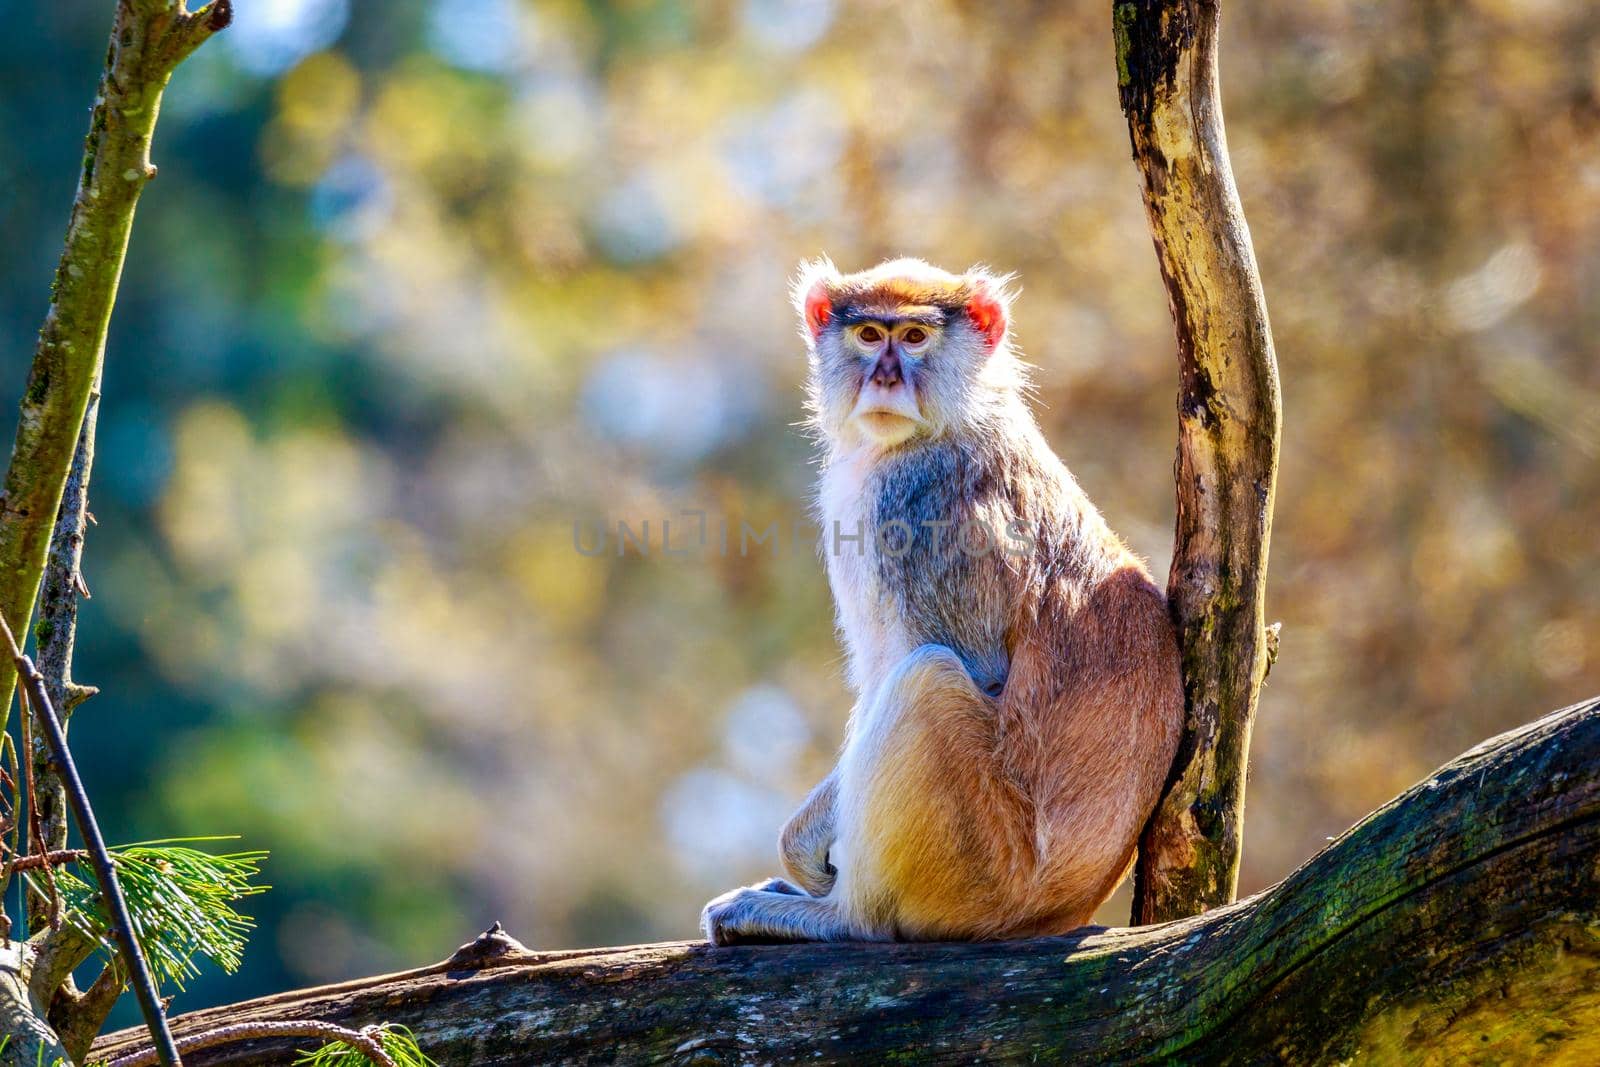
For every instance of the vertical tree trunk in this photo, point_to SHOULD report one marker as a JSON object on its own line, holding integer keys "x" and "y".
{"x": 1228, "y": 428}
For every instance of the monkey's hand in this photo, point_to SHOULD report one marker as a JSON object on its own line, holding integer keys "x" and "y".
{"x": 740, "y": 916}
{"x": 803, "y": 845}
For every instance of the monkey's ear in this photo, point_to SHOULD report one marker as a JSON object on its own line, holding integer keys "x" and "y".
{"x": 818, "y": 308}
{"x": 813, "y": 295}
{"x": 986, "y": 310}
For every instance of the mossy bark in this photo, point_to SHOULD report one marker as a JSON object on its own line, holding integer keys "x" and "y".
{"x": 1228, "y": 430}
{"x": 1459, "y": 923}
{"x": 149, "y": 39}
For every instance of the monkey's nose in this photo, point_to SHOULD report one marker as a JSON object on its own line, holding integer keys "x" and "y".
{"x": 887, "y": 372}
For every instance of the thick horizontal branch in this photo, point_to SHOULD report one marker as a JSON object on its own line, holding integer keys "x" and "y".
{"x": 1464, "y": 916}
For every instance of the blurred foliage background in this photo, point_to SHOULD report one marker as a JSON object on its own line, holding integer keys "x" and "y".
{"x": 422, "y": 285}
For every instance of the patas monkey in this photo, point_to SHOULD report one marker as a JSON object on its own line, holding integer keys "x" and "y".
{"x": 1018, "y": 690}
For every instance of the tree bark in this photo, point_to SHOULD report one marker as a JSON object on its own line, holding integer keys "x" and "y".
{"x": 1460, "y": 922}
{"x": 1228, "y": 430}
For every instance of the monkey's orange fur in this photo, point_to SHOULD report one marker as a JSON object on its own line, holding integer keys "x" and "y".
{"x": 993, "y": 819}
{"x": 1018, "y": 711}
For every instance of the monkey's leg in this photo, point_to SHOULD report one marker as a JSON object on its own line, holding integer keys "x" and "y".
{"x": 772, "y": 910}
{"x": 935, "y": 839}
{"x": 803, "y": 844}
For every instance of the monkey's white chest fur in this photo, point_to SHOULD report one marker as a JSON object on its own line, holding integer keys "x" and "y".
{"x": 871, "y": 627}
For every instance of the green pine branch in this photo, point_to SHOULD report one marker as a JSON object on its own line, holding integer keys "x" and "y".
{"x": 398, "y": 1043}
{"x": 181, "y": 900}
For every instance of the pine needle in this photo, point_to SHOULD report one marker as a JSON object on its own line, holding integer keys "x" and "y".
{"x": 181, "y": 902}
{"x": 397, "y": 1041}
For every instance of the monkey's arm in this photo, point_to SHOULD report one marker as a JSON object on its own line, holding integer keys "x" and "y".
{"x": 803, "y": 845}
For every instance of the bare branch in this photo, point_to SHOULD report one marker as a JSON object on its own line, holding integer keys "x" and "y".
{"x": 54, "y": 636}
{"x": 56, "y": 858}
{"x": 48, "y": 912}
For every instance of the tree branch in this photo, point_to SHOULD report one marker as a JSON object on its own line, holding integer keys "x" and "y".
{"x": 46, "y": 480}
{"x": 54, "y": 637}
{"x": 55, "y": 858}
{"x": 364, "y": 1042}
{"x": 149, "y": 39}
{"x": 1228, "y": 430}
{"x": 1460, "y": 922}
{"x": 56, "y": 953}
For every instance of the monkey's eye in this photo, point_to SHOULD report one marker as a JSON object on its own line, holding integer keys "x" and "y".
{"x": 915, "y": 336}
{"x": 870, "y": 335}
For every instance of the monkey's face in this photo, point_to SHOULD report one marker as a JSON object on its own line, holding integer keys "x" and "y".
{"x": 903, "y": 352}
{"x": 889, "y": 356}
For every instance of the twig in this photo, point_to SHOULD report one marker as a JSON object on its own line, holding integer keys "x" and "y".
{"x": 11, "y": 823}
{"x": 56, "y": 858}
{"x": 35, "y": 835}
{"x": 363, "y": 1041}
{"x": 104, "y": 869}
